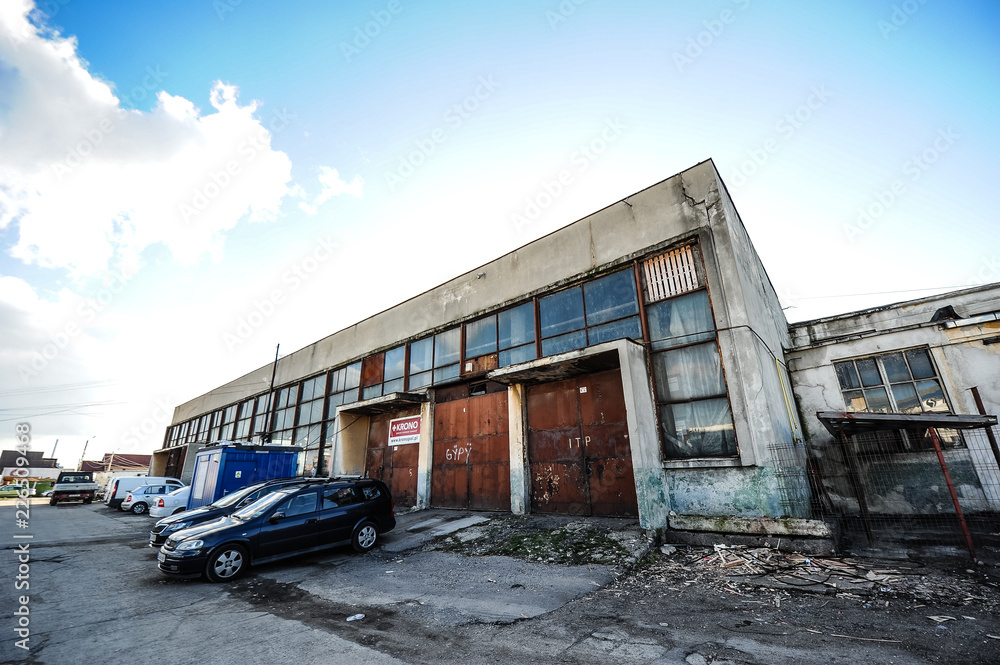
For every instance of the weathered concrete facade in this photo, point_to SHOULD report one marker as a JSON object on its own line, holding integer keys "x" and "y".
{"x": 960, "y": 333}
{"x": 746, "y": 333}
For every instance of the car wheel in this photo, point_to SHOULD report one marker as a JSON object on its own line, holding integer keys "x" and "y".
{"x": 365, "y": 537}
{"x": 87, "y": 500}
{"x": 226, "y": 563}
{"x": 138, "y": 508}
{"x": 179, "y": 510}
{"x": 53, "y": 502}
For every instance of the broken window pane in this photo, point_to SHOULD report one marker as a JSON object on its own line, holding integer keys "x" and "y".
{"x": 847, "y": 375}
{"x": 855, "y": 401}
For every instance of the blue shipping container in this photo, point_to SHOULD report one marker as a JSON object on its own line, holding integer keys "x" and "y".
{"x": 226, "y": 467}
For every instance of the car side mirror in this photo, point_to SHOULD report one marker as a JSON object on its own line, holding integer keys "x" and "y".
{"x": 277, "y": 517}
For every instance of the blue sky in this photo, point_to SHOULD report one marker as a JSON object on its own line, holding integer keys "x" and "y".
{"x": 397, "y": 144}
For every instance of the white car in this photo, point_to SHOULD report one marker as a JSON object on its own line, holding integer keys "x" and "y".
{"x": 175, "y": 502}
{"x": 142, "y": 498}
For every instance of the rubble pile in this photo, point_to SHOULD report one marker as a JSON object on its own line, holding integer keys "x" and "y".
{"x": 748, "y": 570}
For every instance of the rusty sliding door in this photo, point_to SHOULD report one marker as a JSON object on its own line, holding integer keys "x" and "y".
{"x": 578, "y": 448}
{"x": 471, "y": 453}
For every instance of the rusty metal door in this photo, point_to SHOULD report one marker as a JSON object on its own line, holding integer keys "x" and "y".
{"x": 578, "y": 447}
{"x": 471, "y": 453}
{"x": 396, "y": 466}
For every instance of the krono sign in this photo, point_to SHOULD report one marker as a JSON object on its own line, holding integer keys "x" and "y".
{"x": 404, "y": 430}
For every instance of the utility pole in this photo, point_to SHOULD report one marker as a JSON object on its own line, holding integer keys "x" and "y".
{"x": 54, "y": 446}
{"x": 266, "y": 438}
{"x": 79, "y": 466}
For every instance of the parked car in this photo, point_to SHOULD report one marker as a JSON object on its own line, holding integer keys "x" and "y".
{"x": 223, "y": 507}
{"x": 170, "y": 503}
{"x": 119, "y": 487}
{"x": 295, "y": 519}
{"x": 140, "y": 499}
{"x": 73, "y": 486}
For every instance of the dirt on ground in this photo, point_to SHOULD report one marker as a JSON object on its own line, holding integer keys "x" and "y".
{"x": 737, "y": 604}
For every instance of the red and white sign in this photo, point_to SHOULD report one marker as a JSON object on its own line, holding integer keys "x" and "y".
{"x": 404, "y": 430}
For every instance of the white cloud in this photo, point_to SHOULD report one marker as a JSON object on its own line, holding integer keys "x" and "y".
{"x": 91, "y": 184}
{"x": 333, "y": 185}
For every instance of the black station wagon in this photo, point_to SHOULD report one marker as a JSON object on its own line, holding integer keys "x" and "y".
{"x": 295, "y": 519}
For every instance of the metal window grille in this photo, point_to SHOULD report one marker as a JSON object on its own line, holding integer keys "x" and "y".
{"x": 670, "y": 274}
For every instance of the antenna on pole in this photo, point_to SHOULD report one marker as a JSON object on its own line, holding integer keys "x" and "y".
{"x": 266, "y": 438}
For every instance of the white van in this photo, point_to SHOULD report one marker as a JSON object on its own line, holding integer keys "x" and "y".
{"x": 119, "y": 486}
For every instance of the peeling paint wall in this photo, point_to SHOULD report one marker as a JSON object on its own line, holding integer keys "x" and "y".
{"x": 962, "y": 360}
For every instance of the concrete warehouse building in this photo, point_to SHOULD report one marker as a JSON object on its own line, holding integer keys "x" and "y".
{"x": 630, "y": 363}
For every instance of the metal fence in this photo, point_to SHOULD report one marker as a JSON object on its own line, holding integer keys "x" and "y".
{"x": 924, "y": 490}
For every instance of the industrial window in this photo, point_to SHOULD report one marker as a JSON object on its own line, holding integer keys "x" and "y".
{"x": 435, "y": 359}
{"x": 516, "y": 334}
{"x": 262, "y": 411}
{"x": 344, "y": 384}
{"x": 682, "y": 320}
{"x": 228, "y": 423}
{"x": 244, "y": 420}
{"x": 481, "y": 337}
{"x": 215, "y": 429}
{"x": 695, "y": 417}
{"x": 392, "y": 374}
{"x": 189, "y": 431}
{"x": 203, "y": 424}
{"x": 600, "y": 310}
{"x": 898, "y": 382}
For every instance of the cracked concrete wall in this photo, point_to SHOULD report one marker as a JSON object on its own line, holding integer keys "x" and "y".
{"x": 963, "y": 360}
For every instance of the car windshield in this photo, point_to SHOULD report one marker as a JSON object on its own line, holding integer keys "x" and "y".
{"x": 234, "y": 498}
{"x": 257, "y": 508}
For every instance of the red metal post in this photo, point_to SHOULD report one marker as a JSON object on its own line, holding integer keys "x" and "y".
{"x": 954, "y": 496}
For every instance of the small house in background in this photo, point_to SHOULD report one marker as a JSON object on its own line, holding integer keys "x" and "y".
{"x": 117, "y": 464}
{"x": 37, "y": 467}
